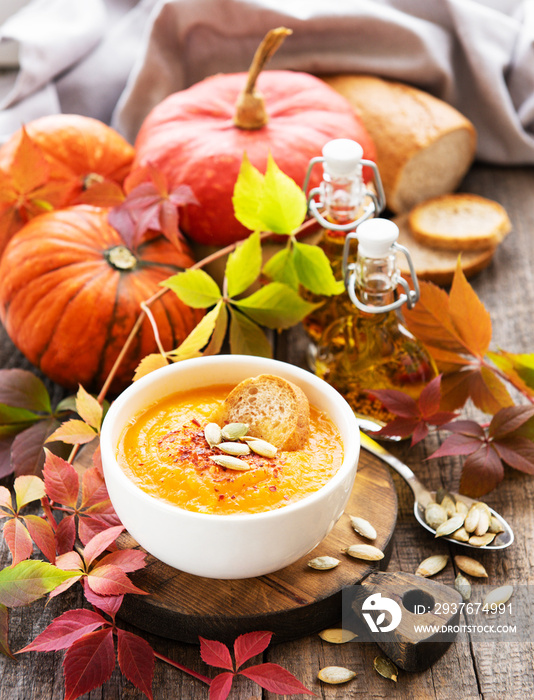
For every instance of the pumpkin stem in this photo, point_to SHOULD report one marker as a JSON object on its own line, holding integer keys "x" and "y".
{"x": 121, "y": 258}
{"x": 250, "y": 106}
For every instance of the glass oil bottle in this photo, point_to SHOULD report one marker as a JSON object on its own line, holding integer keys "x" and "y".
{"x": 370, "y": 348}
{"x": 343, "y": 201}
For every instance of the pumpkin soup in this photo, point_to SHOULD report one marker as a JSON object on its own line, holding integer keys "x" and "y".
{"x": 164, "y": 451}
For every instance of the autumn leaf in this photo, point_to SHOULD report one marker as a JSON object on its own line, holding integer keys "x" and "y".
{"x": 215, "y": 654}
{"x": 18, "y": 540}
{"x": 88, "y": 408}
{"x": 89, "y": 663}
{"x": 250, "y": 644}
{"x": 148, "y": 364}
{"x": 66, "y": 629}
{"x": 243, "y": 265}
{"x": 29, "y": 581}
{"x": 414, "y": 416}
{"x": 246, "y": 337}
{"x": 150, "y": 206}
{"x": 61, "y": 480}
{"x": 136, "y": 660}
{"x": 74, "y": 432}
{"x": 275, "y": 679}
{"x": 456, "y": 330}
{"x": 221, "y": 685}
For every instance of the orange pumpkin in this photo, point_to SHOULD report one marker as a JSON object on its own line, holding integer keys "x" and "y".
{"x": 81, "y": 152}
{"x": 71, "y": 291}
{"x": 198, "y": 137}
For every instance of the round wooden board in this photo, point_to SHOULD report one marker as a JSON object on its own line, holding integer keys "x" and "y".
{"x": 292, "y": 603}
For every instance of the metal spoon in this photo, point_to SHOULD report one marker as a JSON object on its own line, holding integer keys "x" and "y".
{"x": 423, "y": 496}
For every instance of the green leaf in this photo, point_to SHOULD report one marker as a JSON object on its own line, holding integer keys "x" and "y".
{"x": 281, "y": 268}
{"x": 314, "y": 270}
{"x": 194, "y": 288}
{"x": 9, "y": 415}
{"x": 219, "y": 333}
{"x": 246, "y": 337}
{"x": 283, "y": 204}
{"x": 28, "y": 488}
{"x": 198, "y": 338}
{"x": 244, "y": 265}
{"x": 516, "y": 365}
{"x": 275, "y": 306}
{"x": 247, "y": 195}
{"x": 28, "y": 581}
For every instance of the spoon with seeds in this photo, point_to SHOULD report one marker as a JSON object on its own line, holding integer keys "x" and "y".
{"x": 473, "y": 526}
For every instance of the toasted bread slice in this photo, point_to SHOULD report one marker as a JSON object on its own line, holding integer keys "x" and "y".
{"x": 275, "y": 409}
{"x": 435, "y": 264}
{"x": 459, "y": 221}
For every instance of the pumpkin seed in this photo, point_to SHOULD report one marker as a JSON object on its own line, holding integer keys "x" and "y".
{"x": 495, "y": 525}
{"x": 262, "y": 448}
{"x": 471, "y": 519}
{"x": 460, "y": 535}
{"x": 432, "y": 565}
{"x": 323, "y": 563}
{"x": 234, "y": 431}
{"x": 335, "y": 675}
{"x": 386, "y": 668}
{"x": 450, "y": 526}
{"x": 363, "y": 527}
{"x": 482, "y": 540}
{"x": 462, "y": 508}
{"x": 435, "y": 515}
{"x": 231, "y": 462}
{"x": 364, "y": 551}
{"x": 449, "y": 505}
{"x": 337, "y": 635}
{"x": 213, "y": 434}
{"x": 483, "y": 522}
{"x": 496, "y": 597}
{"x": 234, "y": 448}
{"x": 470, "y": 566}
{"x": 463, "y": 587}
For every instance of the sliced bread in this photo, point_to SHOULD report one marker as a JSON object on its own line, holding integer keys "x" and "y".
{"x": 275, "y": 409}
{"x": 434, "y": 264}
{"x": 459, "y": 221}
{"x": 424, "y": 145}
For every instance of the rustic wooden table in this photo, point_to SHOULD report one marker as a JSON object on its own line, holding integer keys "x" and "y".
{"x": 470, "y": 668}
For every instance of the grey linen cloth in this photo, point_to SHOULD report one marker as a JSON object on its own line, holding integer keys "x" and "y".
{"x": 116, "y": 59}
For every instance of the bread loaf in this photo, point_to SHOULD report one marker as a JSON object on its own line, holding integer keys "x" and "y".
{"x": 463, "y": 221}
{"x": 275, "y": 409}
{"x": 424, "y": 146}
{"x": 438, "y": 265}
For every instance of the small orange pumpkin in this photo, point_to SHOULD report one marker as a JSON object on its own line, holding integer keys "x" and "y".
{"x": 71, "y": 293}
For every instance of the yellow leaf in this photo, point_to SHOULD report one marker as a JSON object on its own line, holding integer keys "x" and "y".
{"x": 88, "y": 408}
{"x": 28, "y": 488}
{"x": 73, "y": 432}
{"x": 149, "y": 364}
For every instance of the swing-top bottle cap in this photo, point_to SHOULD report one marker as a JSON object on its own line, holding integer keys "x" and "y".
{"x": 375, "y": 237}
{"x": 342, "y": 157}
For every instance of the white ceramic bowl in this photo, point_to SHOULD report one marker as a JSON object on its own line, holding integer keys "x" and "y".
{"x": 227, "y": 546}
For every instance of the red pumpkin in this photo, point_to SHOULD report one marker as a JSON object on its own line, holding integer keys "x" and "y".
{"x": 81, "y": 152}
{"x": 192, "y": 137}
{"x": 71, "y": 291}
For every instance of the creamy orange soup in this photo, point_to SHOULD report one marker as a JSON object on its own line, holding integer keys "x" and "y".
{"x": 164, "y": 452}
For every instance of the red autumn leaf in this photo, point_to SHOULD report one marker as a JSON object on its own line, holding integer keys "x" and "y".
{"x": 275, "y": 679}
{"x": 397, "y": 402}
{"x": 110, "y": 580}
{"x": 109, "y": 604}
{"x": 457, "y": 445}
{"x": 508, "y": 420}
{"x": 127, "y": 559}
{"x": 61, "y": 480}
{"x": 94, "y": 489}
{"x": 215, "y": 654}
{"x": 62, "y": 632}
{"x": 89, "y": 526}
{"x": 18, "y": 540}
{"x": 65, "y": 534}
{"x": 482, "y": 472}
{"x": 465, "y": 427}
{"x": 517, "y": 452}
{"x": 221, "y": 685}
{"x": 250, "y": 644}
{"x": 99, "y": 543}
{"x": 42, "y": 534}
{"x": 4, "y": 632}
{"x": 136, "y": 660}
{"x": 70, "y": 561}
{"x": 88, "y": 663}
{"x": 27, "y": 455}
{"x": 97, "y": 461}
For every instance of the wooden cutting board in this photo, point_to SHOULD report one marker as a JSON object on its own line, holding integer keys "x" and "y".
{"x": 292, "y": 603}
